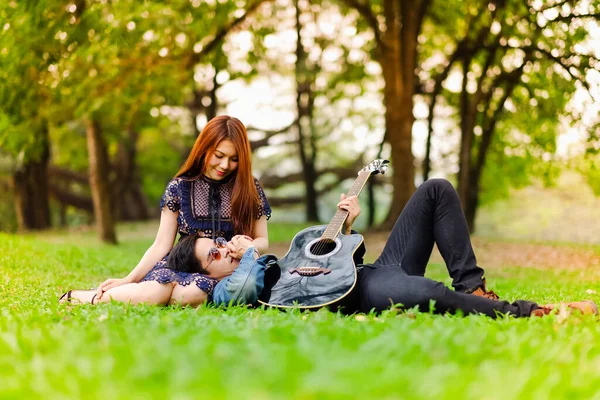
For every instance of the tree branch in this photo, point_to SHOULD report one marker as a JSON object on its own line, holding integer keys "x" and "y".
{"x": 275, "y": 181}
{"x": 566, "y": 67}
{"x": 560, "y": 61}
{"x": 571, "y": 17}
{"x": 221, "y": 33}
{"x": 256, "y": 144}
{"x": 68, "y": 175}
{"x": 367, "y": 13}
{"x": 486, "y": 139}
{"x": 423, "y": 7}
{"x": 71, "y": 199}
{"x": 275, "y": 201}
{"x": 551, "y": 6}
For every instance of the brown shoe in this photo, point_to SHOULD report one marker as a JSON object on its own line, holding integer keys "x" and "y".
{"x": 483, "y": 292}
{"x": 586, "y": 307}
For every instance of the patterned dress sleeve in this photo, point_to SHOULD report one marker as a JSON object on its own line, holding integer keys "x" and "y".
{"x": 172, "y": 196}
{"x": 264, "y": 207}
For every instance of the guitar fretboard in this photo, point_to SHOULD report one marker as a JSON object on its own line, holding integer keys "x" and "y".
{"x": 334, "y": 227}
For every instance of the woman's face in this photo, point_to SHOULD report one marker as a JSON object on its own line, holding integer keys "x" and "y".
{"x": 222, "y": 162}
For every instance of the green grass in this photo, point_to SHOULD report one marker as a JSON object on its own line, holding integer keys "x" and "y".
{"x": 117, "y": 351}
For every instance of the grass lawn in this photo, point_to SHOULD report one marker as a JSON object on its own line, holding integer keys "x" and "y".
{"x": 117, "y": 351}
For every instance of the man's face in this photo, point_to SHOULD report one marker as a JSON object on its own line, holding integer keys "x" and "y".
{"x": 218, "y": 263}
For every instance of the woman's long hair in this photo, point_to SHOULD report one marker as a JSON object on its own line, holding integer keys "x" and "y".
{"x": 245, "y": 200}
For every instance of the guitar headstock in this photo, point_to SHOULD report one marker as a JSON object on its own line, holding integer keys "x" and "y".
{"x": 378, "y": 166}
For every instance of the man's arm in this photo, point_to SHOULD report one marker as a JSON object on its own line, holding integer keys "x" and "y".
{"x": 246, "y": 282}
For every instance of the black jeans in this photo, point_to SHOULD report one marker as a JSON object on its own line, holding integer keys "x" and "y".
{"x": 432, "y": 215}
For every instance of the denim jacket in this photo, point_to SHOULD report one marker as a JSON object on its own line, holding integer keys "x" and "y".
{"x": 246, "y": 282}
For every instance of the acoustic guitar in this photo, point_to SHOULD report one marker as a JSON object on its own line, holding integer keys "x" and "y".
{"x": 320, "y": 267}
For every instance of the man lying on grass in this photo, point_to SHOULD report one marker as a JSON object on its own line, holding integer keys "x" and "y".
{"x": 432, "y": 215}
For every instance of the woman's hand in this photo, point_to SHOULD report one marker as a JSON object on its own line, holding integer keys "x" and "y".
{"x": 109, "y": 284}
{"x": 236, "y": 237}
{"x": 351, "y": 205}
{"x": 238, "y": 245}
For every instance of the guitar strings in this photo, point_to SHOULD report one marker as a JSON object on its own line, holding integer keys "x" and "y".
{"x": 321, "y": 246}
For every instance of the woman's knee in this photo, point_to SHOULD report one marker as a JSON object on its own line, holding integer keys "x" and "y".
{"x": 187, "y": 296}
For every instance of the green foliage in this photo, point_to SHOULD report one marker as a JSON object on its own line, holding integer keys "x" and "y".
{"x": 123, "y": 352}
{"x": 158, "y": 161}
{"x": 135, "y": 65}
{"x": 590, "y": 168}
{"x": 25, "y": 74}
{"x": 513, "y": 44}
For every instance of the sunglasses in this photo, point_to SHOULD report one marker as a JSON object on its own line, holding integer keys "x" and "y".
{"x": 214, "y": 253}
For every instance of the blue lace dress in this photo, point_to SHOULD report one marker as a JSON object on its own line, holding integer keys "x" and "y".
{"x": 203, "y": 208}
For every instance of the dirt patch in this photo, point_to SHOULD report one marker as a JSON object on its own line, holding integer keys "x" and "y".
{"x": 496, "y": 254}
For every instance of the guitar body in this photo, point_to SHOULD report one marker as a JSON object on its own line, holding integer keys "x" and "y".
{"x": 314, "y": 273}
{"x": 320, "y": 267}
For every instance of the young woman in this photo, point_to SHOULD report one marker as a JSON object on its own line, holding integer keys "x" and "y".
{"x": 213, "y": 195}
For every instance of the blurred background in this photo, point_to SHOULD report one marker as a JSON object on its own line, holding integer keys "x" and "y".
{"x": 101, "y": 100}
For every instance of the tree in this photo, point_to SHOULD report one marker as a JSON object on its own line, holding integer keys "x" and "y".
{"x": 327, "y": 71}
{"x": 519, "y": 65}
{"x": 25, "y": 70}
{"x": 129, "y": 58}
{"x": 396, "y": 25}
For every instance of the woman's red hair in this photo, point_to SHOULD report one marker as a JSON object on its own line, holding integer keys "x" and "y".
{"x": 245, "y": 200}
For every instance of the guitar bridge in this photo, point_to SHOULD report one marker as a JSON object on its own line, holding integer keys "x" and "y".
{"x": 310, "y": 271}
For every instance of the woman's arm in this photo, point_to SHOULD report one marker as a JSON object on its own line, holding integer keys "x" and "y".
{"x": 261, "y": 235}
{"x": 163, "y": 243}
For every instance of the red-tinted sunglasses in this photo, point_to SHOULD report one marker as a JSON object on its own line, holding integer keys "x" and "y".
{"x": 214, "y": 253}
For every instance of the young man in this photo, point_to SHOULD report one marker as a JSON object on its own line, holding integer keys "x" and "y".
{"x": 432, "y": 215}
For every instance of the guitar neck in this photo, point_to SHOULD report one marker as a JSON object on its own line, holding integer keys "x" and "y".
{"x": 334, "y": 227}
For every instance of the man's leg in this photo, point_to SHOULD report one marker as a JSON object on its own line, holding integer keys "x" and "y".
{"x": 383, "y": 287}
{"x": 433, "y": 215}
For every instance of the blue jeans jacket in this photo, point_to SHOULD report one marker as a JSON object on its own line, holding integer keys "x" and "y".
{"x": 246, "y": 282}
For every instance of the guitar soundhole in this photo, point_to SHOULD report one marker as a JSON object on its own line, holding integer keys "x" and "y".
{"x": 322, "y": 247}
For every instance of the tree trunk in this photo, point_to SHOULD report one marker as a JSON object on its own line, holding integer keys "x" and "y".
{"x": 397, "y": 49}
{"x": 472, "y": 202}
{"x": 129, "y": 202}
{"x": 30, "y": 186}
{"x": 62, "y": 215}
{"x": 467, "y": 124}
{"x": 475, "y": 166}
{"x": 372, "y": 203}
{"x": 212, "y": 109}
{"x": 397, "y": 62}
{"x": 99, "y": 182}
{"x": 196, "y": 107}
{"x": 306, "y": 141}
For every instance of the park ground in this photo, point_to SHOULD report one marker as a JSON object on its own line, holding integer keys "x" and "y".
{"x": 119, "y": 351}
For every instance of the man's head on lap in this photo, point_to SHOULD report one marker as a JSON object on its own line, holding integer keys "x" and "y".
{"x": 194, "y": 254}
